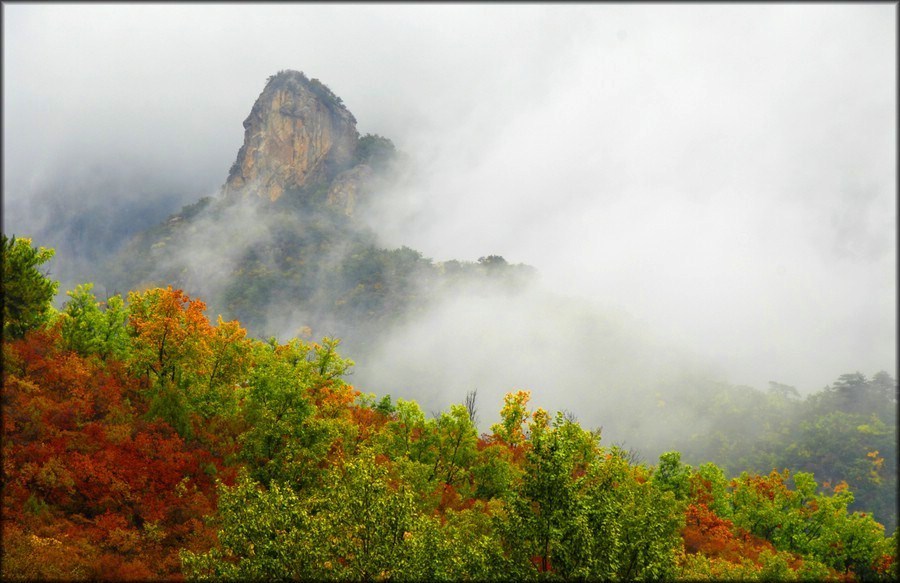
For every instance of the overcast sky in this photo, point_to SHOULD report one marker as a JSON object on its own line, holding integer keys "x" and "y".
{"x": 724, "y": 173}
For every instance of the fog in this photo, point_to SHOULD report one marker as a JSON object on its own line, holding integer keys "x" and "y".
{"x": 716, "y": 184}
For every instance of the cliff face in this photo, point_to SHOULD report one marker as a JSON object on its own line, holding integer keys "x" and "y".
{"x": 348, "y": 187}
{"x": 298, "y": 134}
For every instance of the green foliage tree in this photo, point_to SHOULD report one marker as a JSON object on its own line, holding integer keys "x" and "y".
{"x": 548, "y": 524}
{"x": 456, "y": 438}
{"x": 410, "y": 441}
{"x": 494, "y": 472}
{"x": 673, "y": 476}
{"x": 265, "y": 534}
{"x": 583, "y": 513}
{"x": 27, "y": 291}
{"x": 89, "y": 329}
{"x": 352, "y": 528}
{"x": 636, "y": 525}
{"x": 458, "y": 546}
{"x": 404, "y": 432}
{"x": 710, "y": 478}
{"x": 368, "y": 511}
{"x": 284, "y": 441}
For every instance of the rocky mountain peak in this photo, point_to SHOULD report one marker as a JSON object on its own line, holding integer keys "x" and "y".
{"x": 298, "y": 134}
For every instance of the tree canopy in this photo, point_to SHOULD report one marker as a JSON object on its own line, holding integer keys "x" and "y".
{"x": 27, "y": 291}
{"x": 142, "y": 440}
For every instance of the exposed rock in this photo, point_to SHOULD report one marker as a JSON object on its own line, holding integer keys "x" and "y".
{"x": 347, "y": 188}
{"x": 298, "y": 134}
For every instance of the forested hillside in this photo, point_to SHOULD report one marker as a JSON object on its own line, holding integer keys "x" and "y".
{"x": 295, "y": 261}
{"x": 141, "y": 440}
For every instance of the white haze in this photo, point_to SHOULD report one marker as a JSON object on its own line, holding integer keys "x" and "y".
{"x": 721, "y": 177}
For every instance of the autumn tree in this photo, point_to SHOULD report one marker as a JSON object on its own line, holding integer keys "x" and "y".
{"x": 90, "y": 486}
{"x": 811, "y": 524}
{"x": 191, "y": 367}
{"x": 511, "y": 429}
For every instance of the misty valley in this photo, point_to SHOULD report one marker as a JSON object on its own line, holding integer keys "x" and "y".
{"x": 256, "y": 387}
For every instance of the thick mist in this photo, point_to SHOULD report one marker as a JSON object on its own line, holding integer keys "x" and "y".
{"x": 592, "y": 361}
{"x": 703, "y": 190}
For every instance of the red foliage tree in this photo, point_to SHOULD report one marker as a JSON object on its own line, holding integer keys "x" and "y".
{"x": 93, "y": 487}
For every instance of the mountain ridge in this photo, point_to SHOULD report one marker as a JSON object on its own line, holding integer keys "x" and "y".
{"x": 283, "y": 240}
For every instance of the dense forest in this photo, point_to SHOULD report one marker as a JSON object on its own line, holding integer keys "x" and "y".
{"x": 141, "y": 440}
